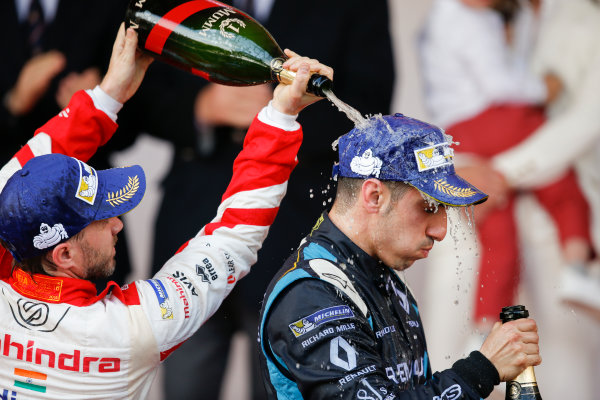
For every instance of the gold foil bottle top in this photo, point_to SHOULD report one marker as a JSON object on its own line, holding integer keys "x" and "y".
{"x": 316, "y": 85}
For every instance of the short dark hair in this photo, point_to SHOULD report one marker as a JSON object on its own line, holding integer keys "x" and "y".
{"x": 34, "y": 265}
{"x": 349, "y": 188}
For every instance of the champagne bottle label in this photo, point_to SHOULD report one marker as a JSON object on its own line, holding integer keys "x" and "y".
{"x": 206, "y": 38}
{"x": 524, "y": 386}
{"x": 525, "y": 391}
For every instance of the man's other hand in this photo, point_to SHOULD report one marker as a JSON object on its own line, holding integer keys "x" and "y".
{"x": 512, "y": 347}
{"x": 127, "y": 67}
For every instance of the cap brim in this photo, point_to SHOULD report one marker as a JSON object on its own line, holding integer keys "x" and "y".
{"x": 120, "y": 190}
{"x": 451, "y": 190}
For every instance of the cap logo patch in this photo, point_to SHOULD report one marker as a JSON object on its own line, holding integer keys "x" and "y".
{"x": 442, "y": 186}
{"x": 434, "y": 156}
{"x": 366, "y": 164}
{"x": 124, "y": 194}
{"x": 49, "y": 236}
{"x": 88, "y": 183}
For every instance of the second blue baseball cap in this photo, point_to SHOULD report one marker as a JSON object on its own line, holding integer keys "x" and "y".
{"x": 400, "y": 148}
{"x": 54, "y": 197}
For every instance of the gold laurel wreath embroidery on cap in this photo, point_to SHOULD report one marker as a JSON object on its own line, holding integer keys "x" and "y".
{"x": 443, "y": 186}
{"x": 124, "y": 194}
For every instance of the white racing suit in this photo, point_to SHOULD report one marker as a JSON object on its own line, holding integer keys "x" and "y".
{"x": 60, "y": 340}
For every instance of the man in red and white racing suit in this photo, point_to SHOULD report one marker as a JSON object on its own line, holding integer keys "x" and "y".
{"x": 59, "y": 339}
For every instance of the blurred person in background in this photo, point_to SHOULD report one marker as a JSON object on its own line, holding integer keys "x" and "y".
{"x": 353, "y": 40}
{"x": 488, "y": 100}
{"x": 568, "y": 47}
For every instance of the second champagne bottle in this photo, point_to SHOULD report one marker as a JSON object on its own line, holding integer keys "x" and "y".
{"x": 213, "y": 40}
{"x": 524, "y": 386}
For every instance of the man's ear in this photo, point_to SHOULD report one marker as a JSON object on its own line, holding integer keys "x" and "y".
{"x": 374, "y": 194}
{"x": 62, "y": 255}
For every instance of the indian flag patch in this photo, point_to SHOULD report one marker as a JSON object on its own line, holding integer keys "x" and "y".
{"x": 31, "y": 380}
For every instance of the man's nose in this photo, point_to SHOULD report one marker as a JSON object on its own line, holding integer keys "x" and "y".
{"x": 116, "y": 225}
{"x": 439, "y": 224}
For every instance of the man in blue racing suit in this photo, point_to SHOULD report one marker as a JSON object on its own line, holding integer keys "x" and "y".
{"x": 337, "y": 321}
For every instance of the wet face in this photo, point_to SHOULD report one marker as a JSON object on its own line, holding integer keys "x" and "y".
{"x": 98, "y": 247}
{"x": 406, "y": 230}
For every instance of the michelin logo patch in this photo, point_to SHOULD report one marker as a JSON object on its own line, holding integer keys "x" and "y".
{"x": 435, "y": 156}
{"x": 164, "y": 303}
{"x": 88, "y": 183}
{"x": 312, "y": 321}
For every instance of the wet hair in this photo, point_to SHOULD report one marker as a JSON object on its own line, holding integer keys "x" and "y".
{"x": 38, "y": 264}
{"x": 348, "y": 190}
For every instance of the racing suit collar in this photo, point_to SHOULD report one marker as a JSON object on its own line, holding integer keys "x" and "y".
{"x": 54, "y": 289}
{"x": 355, "y": 258}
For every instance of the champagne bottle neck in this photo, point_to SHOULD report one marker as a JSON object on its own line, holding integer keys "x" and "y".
{"x": 317, "y": 84}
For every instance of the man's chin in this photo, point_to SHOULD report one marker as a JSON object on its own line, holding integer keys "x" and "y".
{"x": 403, "y": 265}
{"x": 102, "y": 272}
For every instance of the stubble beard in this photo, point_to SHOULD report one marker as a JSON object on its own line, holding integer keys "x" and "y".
{"x": 101, "y": 270}
{"x": 98, "y": 265}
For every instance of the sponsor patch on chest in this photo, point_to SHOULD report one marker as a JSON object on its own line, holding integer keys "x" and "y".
{"x": 312, "y": 321}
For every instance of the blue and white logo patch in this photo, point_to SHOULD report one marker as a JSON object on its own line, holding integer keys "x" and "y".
{"x": 434, "y": 156}
{"x": 367, "y": 164}
{"x": 88, "y": 183}
{"x": 164, "y": 303}
{"x": 320, "y": 317}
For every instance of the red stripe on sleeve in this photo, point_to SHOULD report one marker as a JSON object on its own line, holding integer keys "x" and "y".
{"x": 267, "y": 159}
{"x": 24, "y": 154}
{"x": 183, "y": 246}
{"x": 167, "y": 353}
{"x": 80, "y": 129}
{"x": 166, "y": 25}
{"x": 243, "y": 216}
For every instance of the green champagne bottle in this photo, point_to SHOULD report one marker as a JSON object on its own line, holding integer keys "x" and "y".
{"x": 213, "y": 40}
{"x": 524, "y": 386}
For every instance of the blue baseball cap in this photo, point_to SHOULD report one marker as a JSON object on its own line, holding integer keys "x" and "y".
{"x": 399, "y": 148}
{"x": 54, "y": 197}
